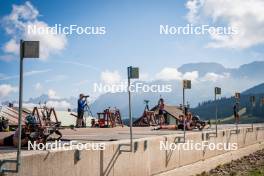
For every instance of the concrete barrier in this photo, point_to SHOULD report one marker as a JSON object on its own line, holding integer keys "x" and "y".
{"x": 147, "y": 159}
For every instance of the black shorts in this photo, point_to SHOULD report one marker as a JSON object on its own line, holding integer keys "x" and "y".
{"x": 180, "y": 127}
{"x": 80, "y": 114}
{"x": 8, "y": 141}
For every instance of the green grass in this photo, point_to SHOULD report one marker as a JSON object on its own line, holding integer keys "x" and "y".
{"x": 257, "y": 172}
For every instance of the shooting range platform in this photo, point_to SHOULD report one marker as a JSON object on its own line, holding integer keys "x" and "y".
{"x": 146, "y": 159}
{"x": 122, "y": 133}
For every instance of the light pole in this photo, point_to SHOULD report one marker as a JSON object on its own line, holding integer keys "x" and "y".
{"x": 217, "y": 92}
{"x": 237, "y": 97}
{"x": 186, "y": 85}
{"x": 132, "y": 73}
{"x": 28, "y": 49}
{"x": 253, "y": 104}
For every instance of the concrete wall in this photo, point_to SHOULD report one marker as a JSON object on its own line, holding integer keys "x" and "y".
{"x": 147, "y": 159}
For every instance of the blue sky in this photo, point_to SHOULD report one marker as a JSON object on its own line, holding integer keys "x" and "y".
{"x": 132, "y": 38}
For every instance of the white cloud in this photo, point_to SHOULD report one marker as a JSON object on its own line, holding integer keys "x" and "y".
{"x": 11, "y": 47}
{"x": 6, "y": 89}
{"x": 245, "y": 16}
{"x": 168, "y": 73}
{"x": 27, "y": 105}
{"x": 38, "y": 86}
{"x": 214, "y": 77}
{"x": 144, "y": 77}
{"x": 16, "y": 24}
{"x": 193, "y": 6}
{"x": 194, "y": 75}
{"x": 53, "y": 94}
{"x": 109, "y": 77}
{"x": 59, "y": 104}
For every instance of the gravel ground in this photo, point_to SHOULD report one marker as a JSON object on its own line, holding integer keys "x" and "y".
{"x": 251, "y": 165}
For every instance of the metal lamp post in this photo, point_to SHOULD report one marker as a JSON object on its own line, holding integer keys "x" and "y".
{"x": 217, "y": 92}
{"x": 132, "y": 73}
{"x": 28, "y": 49}
{"x": 186, "y": 85}
{"x": 253, "y": 104}
{"x": 237, "y": 97}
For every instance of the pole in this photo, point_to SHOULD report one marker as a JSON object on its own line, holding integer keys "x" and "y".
{"x": 184, "y": 121}
{"x": 252, "y": 109}
{"x": 20, "y": 106}
{"x": 216, "y": 116}
{"x": 183, "y": 99}
{"x": 237, "y": 114}
{"x": 130, "y": 112}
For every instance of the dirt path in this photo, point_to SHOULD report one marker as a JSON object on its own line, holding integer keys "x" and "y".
{"x": 252, "y": 165}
